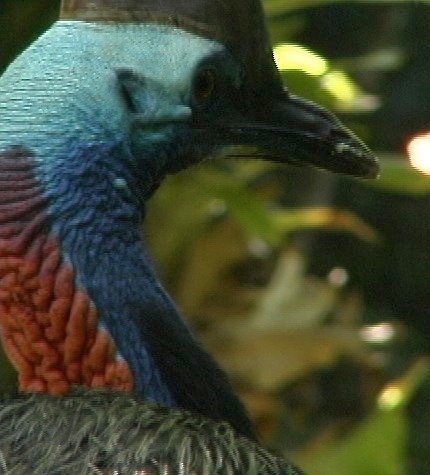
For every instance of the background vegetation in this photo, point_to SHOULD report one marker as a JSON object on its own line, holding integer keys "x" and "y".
{"x": 313, "y": 289}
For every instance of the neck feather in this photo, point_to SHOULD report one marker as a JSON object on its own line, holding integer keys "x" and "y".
{"x": 98, "y": 219}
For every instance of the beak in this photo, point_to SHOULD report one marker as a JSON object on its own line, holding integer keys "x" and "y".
{"x": 290, "y": 129}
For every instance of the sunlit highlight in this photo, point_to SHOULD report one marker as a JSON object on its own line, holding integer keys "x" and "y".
{"x": 391, "y": 397}
{"x": 217, "y": 207}
{"x": 296, "y": 57}
{"x": 340, "y": 86}
{"x": 418, "y": 150}
{"x": 259, "y": 248}
{"x": 338, "y": 276}
{"x": 381, "y": 333}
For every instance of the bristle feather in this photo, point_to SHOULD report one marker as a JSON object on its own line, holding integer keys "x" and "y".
{"x": 108, "y": 431}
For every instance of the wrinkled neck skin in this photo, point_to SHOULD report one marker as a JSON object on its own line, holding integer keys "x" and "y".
{"x": 59, "y": 101}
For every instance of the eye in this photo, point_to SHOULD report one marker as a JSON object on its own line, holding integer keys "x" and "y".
{"x": 204, "y": 86}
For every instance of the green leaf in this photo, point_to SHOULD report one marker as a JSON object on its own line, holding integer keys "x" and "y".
{"x": 245, "y": 206}
{"x": 325, "y": 217}
{"x": 378, "y": 445}
{"x": 278, "y": 7}
{"x": 21, "y": 21}
{"x": 398, "y": 176}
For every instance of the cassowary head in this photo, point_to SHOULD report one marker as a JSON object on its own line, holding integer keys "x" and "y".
{"x": 199, "y": 78}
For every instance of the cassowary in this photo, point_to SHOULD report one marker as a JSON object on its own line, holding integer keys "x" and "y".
{"x": 93, "y": 115}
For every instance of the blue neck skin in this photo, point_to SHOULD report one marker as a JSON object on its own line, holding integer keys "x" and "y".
{"x": 97, "y": 214}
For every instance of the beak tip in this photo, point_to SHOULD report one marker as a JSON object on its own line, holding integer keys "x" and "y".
{"x": 356, "y": 160}
{"x": 371, "y": 168}
{"x": 367, "y": 167}
{"x": 375, "y": 172}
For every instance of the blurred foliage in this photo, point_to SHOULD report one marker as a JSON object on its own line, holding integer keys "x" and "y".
{"x": 280, "y": 6}
{"x": 237, "y": 266}
{"x": 377, "y": 445}
{"x": 399, "y": 176}
{"x": 235, "y": 256}
{"x": 21, "y": 22}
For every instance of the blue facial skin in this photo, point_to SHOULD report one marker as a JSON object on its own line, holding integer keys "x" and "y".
{"x": 107, "y": 110}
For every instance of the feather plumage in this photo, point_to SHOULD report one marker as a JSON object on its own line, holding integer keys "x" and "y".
{"x": 100, "y": 432}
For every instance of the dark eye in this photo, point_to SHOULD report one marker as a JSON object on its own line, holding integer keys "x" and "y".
{"x": 204, "y": 85}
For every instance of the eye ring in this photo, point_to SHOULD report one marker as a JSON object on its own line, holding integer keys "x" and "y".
{"x": 204, "y": 85}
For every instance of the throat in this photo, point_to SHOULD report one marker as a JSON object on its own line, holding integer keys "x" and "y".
{"x": 96, "y": 206}
{"x": 100, "y": 228}
{"x": 97, "y": 314}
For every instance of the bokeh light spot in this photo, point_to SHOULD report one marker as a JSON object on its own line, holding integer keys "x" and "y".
{"x": 380, "y": 333}
{"x": 418, "y": 149}
{"x": 391, "y": 397}
{"x": 338, "y": 276}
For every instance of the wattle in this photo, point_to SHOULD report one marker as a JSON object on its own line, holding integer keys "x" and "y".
{"x": 49, "y": 327}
